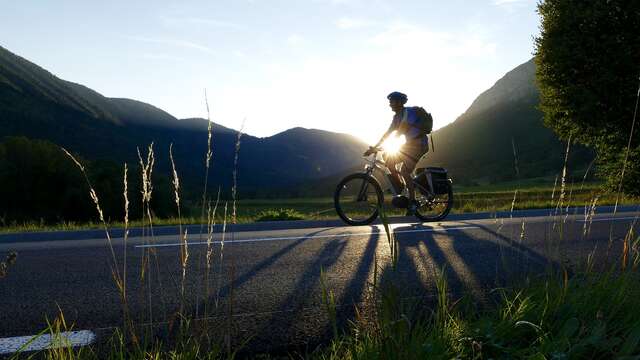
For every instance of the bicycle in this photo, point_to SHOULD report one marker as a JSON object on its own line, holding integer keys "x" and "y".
{"x": 359, "y": 197}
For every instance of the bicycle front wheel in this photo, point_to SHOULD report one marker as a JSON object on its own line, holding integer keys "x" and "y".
{"x": 357, "y": 198}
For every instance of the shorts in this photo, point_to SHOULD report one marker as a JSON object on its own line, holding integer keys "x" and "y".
{"x": 409, "y": 154}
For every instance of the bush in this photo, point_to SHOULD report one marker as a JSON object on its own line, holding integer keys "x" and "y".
{"x": 40, "y": 183}
{"x": 279, "y": 215}
{"x": 587, "y": 70}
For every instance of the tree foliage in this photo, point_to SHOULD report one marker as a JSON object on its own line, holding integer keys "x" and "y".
{"x": 588, "y": 63}
{"x": 38, "y": 182}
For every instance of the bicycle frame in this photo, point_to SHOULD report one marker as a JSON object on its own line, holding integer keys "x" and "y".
{"x": 374, "y": 164}
{"x": 430, "y": 206}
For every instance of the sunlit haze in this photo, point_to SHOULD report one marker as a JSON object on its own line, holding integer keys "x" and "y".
{"x": 393, "y": 143}
{"x": 325, "y": 64}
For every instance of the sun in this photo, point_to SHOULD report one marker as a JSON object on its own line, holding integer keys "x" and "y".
{"x": 393, "y": 144}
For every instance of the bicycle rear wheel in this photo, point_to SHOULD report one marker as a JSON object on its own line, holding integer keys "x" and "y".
{"x": 357, "y": 198}
{"x": 435, "y": 208}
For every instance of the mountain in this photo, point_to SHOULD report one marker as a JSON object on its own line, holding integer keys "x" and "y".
{"x": 479, "y": 146}
{"x": 36, "y": 104}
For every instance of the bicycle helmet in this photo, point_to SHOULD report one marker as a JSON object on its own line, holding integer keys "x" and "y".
{"x": 396, "y": 95}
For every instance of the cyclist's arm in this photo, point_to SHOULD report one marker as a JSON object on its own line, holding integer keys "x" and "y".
{"x": 384, "y": 137}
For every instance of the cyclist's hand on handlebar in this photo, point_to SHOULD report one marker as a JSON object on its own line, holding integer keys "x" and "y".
{"x": 371, "y": 150}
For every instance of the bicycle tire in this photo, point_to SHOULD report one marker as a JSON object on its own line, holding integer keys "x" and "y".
{"x": 446, "y": 210}
{"x": 339, "y": 206}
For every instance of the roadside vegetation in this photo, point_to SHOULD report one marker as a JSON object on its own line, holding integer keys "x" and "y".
{"x": 493, "y": 198}
{"x": 588, "y": 315}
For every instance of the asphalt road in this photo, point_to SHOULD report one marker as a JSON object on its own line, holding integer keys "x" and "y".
{"x": 269, "y": 280}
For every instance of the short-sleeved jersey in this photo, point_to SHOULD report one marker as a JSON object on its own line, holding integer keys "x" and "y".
{"x": 412, "y": 131}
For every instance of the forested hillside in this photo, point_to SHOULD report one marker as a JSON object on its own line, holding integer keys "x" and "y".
{"x": 503, "y": 124}
{"x": 36, "y": 104}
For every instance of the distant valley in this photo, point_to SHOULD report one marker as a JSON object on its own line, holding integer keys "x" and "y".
{"x": 36, "y": 104}
{"x": 477, "y": 148}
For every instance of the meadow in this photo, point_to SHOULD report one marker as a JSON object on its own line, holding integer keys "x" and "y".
{"x": 487, "y": 198}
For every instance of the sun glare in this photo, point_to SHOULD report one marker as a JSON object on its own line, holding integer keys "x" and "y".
{"x": 393, "y": 144}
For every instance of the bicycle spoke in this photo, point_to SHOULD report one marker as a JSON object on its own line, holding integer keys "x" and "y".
{"x": 357, "y": 199}
{"x": 434, "y": 206}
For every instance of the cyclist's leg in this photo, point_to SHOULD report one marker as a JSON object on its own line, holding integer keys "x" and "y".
{"x": 391, "y": 161}
{"x": 407, "y": 168}
{"x": 411, "y": 153}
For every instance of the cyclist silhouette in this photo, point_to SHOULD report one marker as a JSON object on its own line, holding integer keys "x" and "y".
{"x": 401, "y": 164}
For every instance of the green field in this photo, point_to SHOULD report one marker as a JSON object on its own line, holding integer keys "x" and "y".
{"x": 490, "y": 198}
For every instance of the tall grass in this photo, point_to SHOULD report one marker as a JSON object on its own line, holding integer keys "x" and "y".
{"x": 9, "y": 261}
{"x": 628, "y": 149}
{"x": 186, "y": 345}
{"x": 207, "y": 202}
{"x": 209, "y": 255}
{"x": 626, "y": 243}
{"x": 234, "y": 189}
{"x": 391, "y": 239}
{"x": 94, "y": 197}
{"x": 125, "y": 195}
{"x": 582, "y": 314}
{"x": 207, "y": 160}
{"x": 182, "y": 236}
{"x": 115, "y": 270}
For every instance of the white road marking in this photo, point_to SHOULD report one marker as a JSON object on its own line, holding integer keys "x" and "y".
{"x": 46, "y": 341}
{"x": 310, "y": 237}
{"x": 609, "y": 219}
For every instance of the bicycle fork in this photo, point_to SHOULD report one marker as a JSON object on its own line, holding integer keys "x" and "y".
{"x": 362, "y": 194}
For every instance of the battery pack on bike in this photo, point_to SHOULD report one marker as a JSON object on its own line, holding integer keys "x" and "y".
{"x": 432, "y": 179}
{"x": 400, "y": 202}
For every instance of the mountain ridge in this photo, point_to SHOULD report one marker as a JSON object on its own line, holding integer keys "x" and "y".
{"x": 36, "y": 104}
{"x": 481, "y": 146}
{"x": 503, "y": 126}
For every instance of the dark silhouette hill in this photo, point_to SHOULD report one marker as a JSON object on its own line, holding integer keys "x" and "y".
{"x": 476, "y": 148}
{"x": 479, "y": 146}
{"x": 36, "y": 104}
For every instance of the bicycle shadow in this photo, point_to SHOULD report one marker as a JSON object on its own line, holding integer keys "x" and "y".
{"x": 304, "y": 311}
{"x": 264, "y": 264}
{"x": 530, "y": 261}
{"x": 284, "y": 325}
{"x": 471, "y": 266}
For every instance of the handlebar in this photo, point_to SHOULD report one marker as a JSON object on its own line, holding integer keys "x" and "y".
{"x": 373, "y": 150}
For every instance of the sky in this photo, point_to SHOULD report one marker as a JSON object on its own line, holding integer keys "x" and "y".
{"x": 278, "y": 64}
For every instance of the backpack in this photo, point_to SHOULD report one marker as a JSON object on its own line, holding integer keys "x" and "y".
{"x": 426, "y": 120}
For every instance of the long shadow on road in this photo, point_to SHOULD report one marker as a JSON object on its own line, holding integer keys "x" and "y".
{"x": 301, "y": 320}
{"x": 264, "y": 264}
{"x": 475, "y": 260}
{"x": 473, "y": 264}
{"x": 296, "y": 316}
{"x": 517, "y": 255}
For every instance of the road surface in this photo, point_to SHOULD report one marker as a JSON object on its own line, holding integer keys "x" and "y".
{"x": 269, "y": 280}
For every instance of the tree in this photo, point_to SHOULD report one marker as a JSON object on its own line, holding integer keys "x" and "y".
{"x": 588, "y": 63}
{"x": 39, "y": 183}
